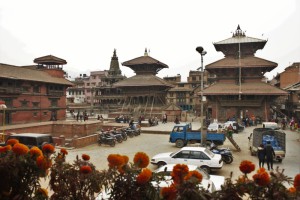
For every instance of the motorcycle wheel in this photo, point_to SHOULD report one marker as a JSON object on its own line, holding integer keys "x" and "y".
{"x": 119, "y": 140}
{"x": 130, "y": 134}
{"x": 112, "y": 144}
{"x": 124, "y": 138}
{"x": 227, "y": 159}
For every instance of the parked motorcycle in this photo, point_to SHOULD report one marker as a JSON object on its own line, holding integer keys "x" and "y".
{"x": 133, "y": 131}
{"x": 104, "y": 139}
{"x": 124, "y": 134}
{"x": 118, "y": 137}
{"x": 128, "y": 132}
{"x": 224, "y": 152}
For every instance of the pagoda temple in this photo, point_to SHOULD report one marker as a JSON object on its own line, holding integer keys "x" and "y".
{"x": 145, "y": 90}
{"x": 107, "y": 94}
{"x": 239, "y": 90}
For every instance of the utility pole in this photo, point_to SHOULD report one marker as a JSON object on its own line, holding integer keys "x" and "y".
{"x": 202, "y": 52}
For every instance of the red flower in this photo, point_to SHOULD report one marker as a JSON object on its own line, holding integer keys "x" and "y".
{"x": 64, "y": 151}
{"x": 179, "y": 172}
{"x": 20, "y": 149}
{"x": 35, "y": 151}
{"x": 12, "y": 142}
{"x": 194, "y": 175}
{"x": 297, "y": 182}
{"x": 144, "y": 176}
{"x": 115, "y": 160}
{"x": 262, "y": 178}
{"x": 141, "y": 160}
{"x": 247, "y": 166}
{"x": 292, "y": 190}
{"x": 85, "y": 169}
{"x": 85, "y": 157}
{"x": 43, "y": 163}
{"x": 126, "y": 159}
{"x": 169, "y": 193}
{"x": 48, "y": 148}
{"x": 5, "y": 149}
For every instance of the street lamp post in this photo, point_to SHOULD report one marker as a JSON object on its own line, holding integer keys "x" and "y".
{"x": 3, "y": 107}
{"x": 202, "y": 52}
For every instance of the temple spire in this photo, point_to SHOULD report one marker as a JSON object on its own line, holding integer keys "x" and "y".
{"x": 146, "y": 52}
{"x": 239, "y": 32}
{"x": 114, "y": 64}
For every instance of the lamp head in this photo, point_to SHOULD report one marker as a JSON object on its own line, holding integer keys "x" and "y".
{"x": 199, "y": 49}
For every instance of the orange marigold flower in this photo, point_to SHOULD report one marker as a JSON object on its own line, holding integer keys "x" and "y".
{"x": 40, "y": 161}
{"x": 8, "y": 147}
{"x": 179, "y": 172}
{"x": 126, "y": 159}
{"x": 195, "y": 175}
{"x": 85, "y": 157}
{"x": 20, "y": 149}
{"x": 2, "y": 149}
{"x": 12, "y": 142}
{"x": 262, "y": 178}
{"x": 43, "y": 163}
{"x": 64, "y": 151}
{"x": 85, "y": 169}
{"x": 292, "y": 190}
{"x": 144, "y": 176}
{"x": 260, "y": 170}
{"x": 141, "y": 160}
{"x": 48, "y": 148}
{"x": 169, "y": 193}
{"x": 43, "y": 192}
{"x": 115, "y": 160}
{"x": 35, "y": 151}
{"x": 5, "y": 149}
{"x": 297, "y": 182}
{"x": 247, "y": 166}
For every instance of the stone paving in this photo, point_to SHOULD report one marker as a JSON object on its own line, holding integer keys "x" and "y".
{"x": 158, "y": 143}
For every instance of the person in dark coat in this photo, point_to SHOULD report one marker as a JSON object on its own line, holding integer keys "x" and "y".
{"x": 270, "y": 154}
{"x": 261, "y": 154}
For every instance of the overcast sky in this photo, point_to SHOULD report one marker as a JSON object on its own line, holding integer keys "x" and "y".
{"x": 85, "y": 33}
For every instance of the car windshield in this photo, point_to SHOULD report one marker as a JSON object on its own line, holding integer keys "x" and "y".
{"x": 211, "y": 154}
{"x": 172, "y": 154}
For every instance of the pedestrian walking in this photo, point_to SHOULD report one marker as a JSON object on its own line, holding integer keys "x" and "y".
{"x": 270, "y": 154}
{"x": 261, "y": 154}
{"x": 230, "y": 130}
{"x": 176, "y": 121}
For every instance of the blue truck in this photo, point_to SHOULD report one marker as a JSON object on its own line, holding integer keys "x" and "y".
{"x": 182, "y": 134}
{"x": 277, "y": 139}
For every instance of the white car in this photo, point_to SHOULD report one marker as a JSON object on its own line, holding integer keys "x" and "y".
{"x": 199, "y": 156}
{"x": 215, "y": 127}
{"x": 212, "y": 181}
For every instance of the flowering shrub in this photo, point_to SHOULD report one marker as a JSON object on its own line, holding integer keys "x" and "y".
{"x": 21, "y": 169}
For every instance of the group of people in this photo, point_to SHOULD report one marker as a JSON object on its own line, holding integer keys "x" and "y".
{"x": 122, "y": 119}
{"x": 153, "y": 121}
{"x": 81, "y": 116}
{"x": 266, "y": 153}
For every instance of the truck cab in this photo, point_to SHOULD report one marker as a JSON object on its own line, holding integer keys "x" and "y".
{"x": 182, "y": 134}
